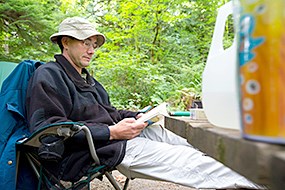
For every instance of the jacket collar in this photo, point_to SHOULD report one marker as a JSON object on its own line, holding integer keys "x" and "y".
{"x": 73, "y": 74}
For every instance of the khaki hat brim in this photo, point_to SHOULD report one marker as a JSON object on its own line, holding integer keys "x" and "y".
{"x": 78, "y": 28}
{"x": 100, "y": 37}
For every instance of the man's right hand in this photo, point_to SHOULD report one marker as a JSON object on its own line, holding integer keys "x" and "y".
{"x": 127, "y": 128}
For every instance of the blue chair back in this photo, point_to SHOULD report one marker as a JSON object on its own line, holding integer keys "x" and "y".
{"x": 5, "y": 69}
{"x": 13, "y": 126}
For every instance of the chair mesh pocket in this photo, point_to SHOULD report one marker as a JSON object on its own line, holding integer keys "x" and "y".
{"x": 52, "y": 147}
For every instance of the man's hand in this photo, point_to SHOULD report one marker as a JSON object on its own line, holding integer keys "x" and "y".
{"x": 139, "y": 115}
{"x": 128, "y": 128}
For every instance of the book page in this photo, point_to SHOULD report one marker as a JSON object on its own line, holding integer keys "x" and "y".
{"x": 155, "y": 114}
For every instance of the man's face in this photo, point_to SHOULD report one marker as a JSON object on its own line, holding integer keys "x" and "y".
{"x": 79, "y": 52}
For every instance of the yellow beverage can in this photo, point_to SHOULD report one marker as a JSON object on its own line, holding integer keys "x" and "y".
{"x": 260, "y": 27}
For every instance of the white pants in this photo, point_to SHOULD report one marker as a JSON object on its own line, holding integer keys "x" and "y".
{"x": 159, "y": 154}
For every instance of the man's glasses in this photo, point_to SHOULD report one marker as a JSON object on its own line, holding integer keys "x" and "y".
{"x": 88, "y": 44}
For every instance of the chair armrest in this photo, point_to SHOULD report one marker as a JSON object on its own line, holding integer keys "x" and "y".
{"x": 62, "y": 129}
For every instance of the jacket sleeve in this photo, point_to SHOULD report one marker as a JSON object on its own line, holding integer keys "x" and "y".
{"x": 126, "y": 113}
{"x": 49, "y": 100}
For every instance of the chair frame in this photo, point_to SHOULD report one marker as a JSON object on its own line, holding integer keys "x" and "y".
{"x": 67, "y": 130}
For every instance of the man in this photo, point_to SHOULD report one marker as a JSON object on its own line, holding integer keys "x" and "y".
{"x": 64, "y": 91}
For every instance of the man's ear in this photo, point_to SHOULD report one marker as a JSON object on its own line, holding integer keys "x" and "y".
{"x": 65, "y": 41}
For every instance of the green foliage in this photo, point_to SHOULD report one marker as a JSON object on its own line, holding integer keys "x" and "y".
{"x": 155, "y": 51}
{"x": 26, "y": 26}
{"x": 22, "y": 23}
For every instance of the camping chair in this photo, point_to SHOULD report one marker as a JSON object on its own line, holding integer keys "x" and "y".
{"x": 19, "y": 147}
{"x": 65, "y": 130}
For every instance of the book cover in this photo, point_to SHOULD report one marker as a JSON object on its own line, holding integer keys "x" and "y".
{"x": 155, "y": 114}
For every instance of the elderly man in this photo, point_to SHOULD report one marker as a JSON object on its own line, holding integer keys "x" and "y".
{"x": 64, "y": 91}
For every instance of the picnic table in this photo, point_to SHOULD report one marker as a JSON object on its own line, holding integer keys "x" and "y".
{"x": 260, "y": 162}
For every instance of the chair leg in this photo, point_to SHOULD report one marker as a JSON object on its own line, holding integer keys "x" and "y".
{"x": 33, "y": 165}
{"x": 126, "y": 184}
{"x": 113, "y": 181}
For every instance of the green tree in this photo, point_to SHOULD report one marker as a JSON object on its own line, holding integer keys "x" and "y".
{"x": 22, "y": 26}
{"x": 156, "y": 50}
{"x": 27, "y": 24}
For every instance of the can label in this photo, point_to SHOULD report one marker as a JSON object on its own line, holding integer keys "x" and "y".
{"x": 261, "y": 59}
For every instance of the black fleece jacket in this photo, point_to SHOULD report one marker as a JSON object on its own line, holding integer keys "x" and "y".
{"x": 58, "y": 93}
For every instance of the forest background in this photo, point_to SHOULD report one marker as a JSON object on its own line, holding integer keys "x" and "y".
{"x": 155, "y": 51}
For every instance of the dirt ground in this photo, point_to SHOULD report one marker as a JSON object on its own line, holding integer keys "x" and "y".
{"x": 136, "y": 184}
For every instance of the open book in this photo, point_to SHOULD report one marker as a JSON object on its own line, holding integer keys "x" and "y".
{"x": 154, "y": 115}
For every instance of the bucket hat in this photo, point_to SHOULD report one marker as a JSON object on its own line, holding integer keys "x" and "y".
{"x": 78, "y": 28}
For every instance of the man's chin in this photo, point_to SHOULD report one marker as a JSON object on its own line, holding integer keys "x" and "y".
{"x": 86, "y": 63}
